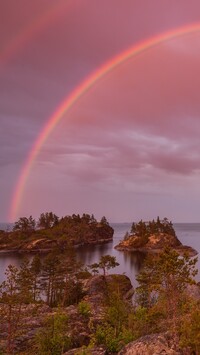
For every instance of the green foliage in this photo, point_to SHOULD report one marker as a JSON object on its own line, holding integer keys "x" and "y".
{"x": 25, "y": 281}
{"x": 84, "y": 309}
{"x": 15, "y": 291}
{"x": 52, "y": 338}
{"x": 25, "y": 225}
{"x": 144, "y": 321}
{"x": 114, "y": 331}
{"x": 127, "y": 235}
{"x": 117, "y": 315}
{"x": 162, "y": 285}
{"x": 47, "y": 220}
{"x": 35, "y": 268}
{"x": 17, "y": 288}
{"x": 105, "y": 335}
{"x": 74, "y": 294}
{"x": 145, "y": 229}
{"x": 60, "y": 278}
{"x": 104, "y": 221}
{"x": 65, "y": 231}
{"x": 83, "y": 274}
{"x": 94, "y": 268}
{"x": 106, "y": 263}
{"x": 190, "y": 329}
{"x": 52, "y": 278}
{"x": 162, "y": 303}
{"x": 117, "y": 309}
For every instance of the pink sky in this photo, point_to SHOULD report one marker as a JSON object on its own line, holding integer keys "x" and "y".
{"x": 129, "y": 148}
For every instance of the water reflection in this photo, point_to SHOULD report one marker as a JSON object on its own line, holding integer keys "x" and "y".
{"x": 130, "y": 262}
{"x": 89, "y": 254}
{"x": 9, "y": 259}
{"x": 136, "y": 259}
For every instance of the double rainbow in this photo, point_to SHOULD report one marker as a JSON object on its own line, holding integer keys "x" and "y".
{"x": 79, "y": 91}
{"x": 33, "y": 28}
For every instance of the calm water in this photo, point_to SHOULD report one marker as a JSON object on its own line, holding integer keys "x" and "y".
{"x": 130, "y": 263}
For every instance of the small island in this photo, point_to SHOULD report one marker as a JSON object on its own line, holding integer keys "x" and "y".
{"x": 51, "y": 232}
{"x": 152, "y": 237}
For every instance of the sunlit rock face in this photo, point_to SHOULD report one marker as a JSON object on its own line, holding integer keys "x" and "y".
{"x": 155, "y": 244}
{"x": 153, "y": 344}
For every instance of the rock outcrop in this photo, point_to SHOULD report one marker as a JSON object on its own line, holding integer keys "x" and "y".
{"x": 97, "y": 350}
{"x": 80, "y": 326}
{"x": 154, "y": 244}
{"x": 154, "y": 344}
{"x": 97, "y": 290}
{"x": 40, "y": 242}
{"x": 193, "y": 291}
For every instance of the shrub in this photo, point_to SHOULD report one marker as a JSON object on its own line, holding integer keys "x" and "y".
{"x": 84, "y": 309}
{"x": 52, "y": 338}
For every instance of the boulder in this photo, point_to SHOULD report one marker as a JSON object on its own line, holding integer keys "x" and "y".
{"x": 154, "y": 344}
{"x": 194, "y": 291}
{"x": 92, "y": 351}
{"x": 97, "y": 289}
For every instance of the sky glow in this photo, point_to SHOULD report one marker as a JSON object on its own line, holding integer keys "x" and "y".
{"x": 128, "y": 148}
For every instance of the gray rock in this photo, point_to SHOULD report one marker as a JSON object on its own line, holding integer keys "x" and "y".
{"x": 154, "y": 344}
{"x": 194, "y": 291}
{"x": 83, "y": 351}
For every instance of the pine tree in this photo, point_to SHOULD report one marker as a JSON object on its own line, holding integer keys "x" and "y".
{"x": 15, "y": 294}
{"x": 164, "y": 279}
{"x": 36, "y": 267}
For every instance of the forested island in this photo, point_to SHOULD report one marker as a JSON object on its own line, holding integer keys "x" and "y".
{"x": 50, "y": 232}
{"x": 152, "y": 237}
{"x": 53, "y": 304}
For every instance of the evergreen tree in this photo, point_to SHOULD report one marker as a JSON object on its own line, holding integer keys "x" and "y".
{"x": 36, "y": 267}
{"x": 104, "y": 221}
{"x": 52, "y": 338}
{"x": 48, "y": 220}
{"x": 164, "y": 279}
{"x": 25, "y": 281}
{"x": 52, "y": 277}
{"x": 15, "y": 294}
{"x": 25, "y": 225}
{"x": 106, "y": 262}
{"x": 133, "y": 228}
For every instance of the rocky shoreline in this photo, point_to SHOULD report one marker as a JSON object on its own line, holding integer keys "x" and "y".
{"x": 184, "y": 249}
{"x": 155, "y": 245}
{"x": 31, "y": 247}
{"x": 58, "y": 237}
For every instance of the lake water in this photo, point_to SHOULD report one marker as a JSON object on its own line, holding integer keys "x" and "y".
{"x": 130, "y": 262}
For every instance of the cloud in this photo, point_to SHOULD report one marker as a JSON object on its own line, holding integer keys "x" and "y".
{"x": 134, "y": 133}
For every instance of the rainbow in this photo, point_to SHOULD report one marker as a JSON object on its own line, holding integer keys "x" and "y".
{"x": 78, "y": 92}
{"x": 35, "y": 26}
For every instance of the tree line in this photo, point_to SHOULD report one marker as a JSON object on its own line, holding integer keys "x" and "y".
{"x": 56, "y": 281}
{"x": 49, "y": 228}
{"x": 152, "y": 227}
{"x": 162, "y": 302}
{"x": 49, "y": 220}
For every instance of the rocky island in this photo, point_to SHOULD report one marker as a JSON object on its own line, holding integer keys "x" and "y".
{"x": 153, "y": 237}
{"x": 51, "y": 232}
